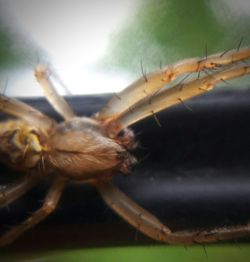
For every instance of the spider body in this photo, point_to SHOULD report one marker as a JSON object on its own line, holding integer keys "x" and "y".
{"x": 93, "y": 150}
{"x": 79, "y": 149}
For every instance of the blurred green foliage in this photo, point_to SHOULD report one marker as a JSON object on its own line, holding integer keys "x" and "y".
{"x": 12, "y": 52}
{"x": 163, "y": 253}
{"x": 156, "y": 32}
{"x": 163, "y": 31}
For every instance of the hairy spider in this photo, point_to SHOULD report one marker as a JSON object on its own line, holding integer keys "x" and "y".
{"x": 93, "y": 150}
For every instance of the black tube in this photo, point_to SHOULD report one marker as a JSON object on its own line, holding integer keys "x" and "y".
{"x": 194, "y": 172}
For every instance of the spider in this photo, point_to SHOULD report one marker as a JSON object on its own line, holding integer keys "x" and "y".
{"x": 93, "y": 150}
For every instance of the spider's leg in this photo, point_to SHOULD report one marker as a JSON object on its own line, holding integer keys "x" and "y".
{"x": 27, "y": 113}
{"x": 154, "y": 82}
{"x": 47, "y": 208}
{"x": 135, "y": 215}
{"x": 148, "y": 224}
{"x": 177, "y": 94}
{"x": 42, "y": 75}
{"x": 11, "y": 192}
{"x": 208, "y": 236}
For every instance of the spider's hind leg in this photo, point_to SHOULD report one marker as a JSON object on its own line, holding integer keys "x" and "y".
{"x": 135, "y": 215}
{"x": 149, "y": 225}
{"x": 47, "y": 208}
{"x": 10, "y": 193}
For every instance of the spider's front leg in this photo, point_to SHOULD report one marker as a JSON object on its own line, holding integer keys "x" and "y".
{"x": 152, "y": 83}
{"x": 148, "y": 224}
{"x": 177, "y": 94}
{"x": 47, "y": 208}
{"x": 25, "y": 112}
{"x": 43, "y": 76}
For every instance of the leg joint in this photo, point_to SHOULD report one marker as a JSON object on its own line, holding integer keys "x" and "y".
{"x": 49, "y": 207}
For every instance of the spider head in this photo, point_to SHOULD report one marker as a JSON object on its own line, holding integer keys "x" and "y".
{"x": 82, "y": 149}
{"x": 126, "y": 139}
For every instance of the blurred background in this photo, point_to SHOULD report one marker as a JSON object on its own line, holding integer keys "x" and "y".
{"x": 98, "y": 47}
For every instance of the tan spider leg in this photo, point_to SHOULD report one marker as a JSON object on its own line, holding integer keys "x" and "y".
{"x": 208, "y": 236}
{"x": 27, "y": 113}
{"x": 48, "y": 207}
{"x": 12, "y": 192}
{"x": 148, "y": 224}
{"x": 133, "y": 213}
{"x": 151, "y": 83}
{"x": 177, "y": 94}
{"x": 57, "y": 101}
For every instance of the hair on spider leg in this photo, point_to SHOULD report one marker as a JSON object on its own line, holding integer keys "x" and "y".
{"x": 205, "y": 250}
{"x": 144, "y": 75}
{"x": 35, "y": 58}
{"x": 225, "y": 81}
{"x": 185, "y": 105}
{"x": 229, "y": 49}
{"x": 203, "y": 58}
{"x": 160, "y": 64}
{"x": 152, "y": 96}
{"x": 206, "y": 52}
{"x": 185, "y": 78}
{"x": 237, "y": 49}
{"x": 198, "y": 75}
{"x": 5, "y": 86}
{"x": 239, "y": 45}
{"x": 117, "y": 96}
{"x": 225, "y": 52}
{"x": 143, "y": 158}
{"x": 208, "y": 72}
{"x": 58, "y": 79}
{"x": 156, "y": 118}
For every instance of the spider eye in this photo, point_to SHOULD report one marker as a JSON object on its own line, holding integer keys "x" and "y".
{"x": 126, "y": 137}
{"x": 121, "y": 134}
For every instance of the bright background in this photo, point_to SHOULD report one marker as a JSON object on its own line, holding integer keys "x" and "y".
{"x": 98, "y": 46}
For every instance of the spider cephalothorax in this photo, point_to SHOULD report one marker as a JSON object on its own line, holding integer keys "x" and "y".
{"x": 81, "y": 148}
{"x": 93, "y": 150}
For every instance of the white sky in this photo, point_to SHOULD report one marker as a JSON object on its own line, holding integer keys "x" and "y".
{"x": 74, "y": 34}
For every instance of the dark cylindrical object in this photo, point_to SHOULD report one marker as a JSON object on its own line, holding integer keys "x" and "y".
{"x": 193, "y": 172}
